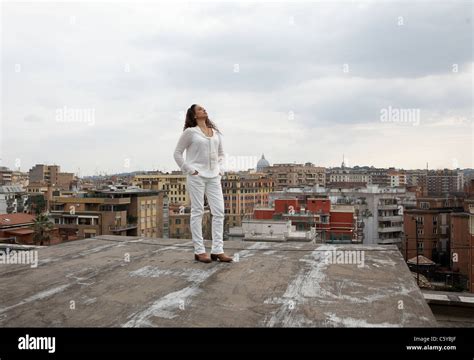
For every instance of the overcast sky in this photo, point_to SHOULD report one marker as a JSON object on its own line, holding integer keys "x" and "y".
{"x": 304, "y": 82}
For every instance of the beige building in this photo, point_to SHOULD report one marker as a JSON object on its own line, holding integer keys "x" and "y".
{"x": 174, "y": 184}
{"x": 133, "y": 212}
{"x": 36, "y": 188}
{"x": 289, "y": 175}
{"x": 50, "y": 175}
{"x": 397, "y": 178}
{"x": 180, "y": 227}
{"x": 337, "y": 176}
{"x": 6, "y": 176}
{"x": 242, "y": 193}
{"x": 20, "y": 178}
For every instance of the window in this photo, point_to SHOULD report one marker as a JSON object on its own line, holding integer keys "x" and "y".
{"x": 84, "y": 221}
{"x": 178, "y": 221}
{"x": 419, "y": 219}
{"x": 424, "y": 205}
{"x": 420, "y": 246}
{"x": 420, "y": 231}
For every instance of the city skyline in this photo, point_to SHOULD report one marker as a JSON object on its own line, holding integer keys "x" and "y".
{"x": 388, "y": 85}
{"x": 78, "y": 172}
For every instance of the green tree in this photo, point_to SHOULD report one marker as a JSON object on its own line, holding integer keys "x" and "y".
{"x": 42, "y": 226}
{"x": 37, "y": 204}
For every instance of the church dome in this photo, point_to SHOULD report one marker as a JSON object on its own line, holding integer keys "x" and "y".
{"x": 262, "y": 163}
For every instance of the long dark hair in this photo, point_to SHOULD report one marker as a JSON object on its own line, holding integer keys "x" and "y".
{"x": 191, "y": 121}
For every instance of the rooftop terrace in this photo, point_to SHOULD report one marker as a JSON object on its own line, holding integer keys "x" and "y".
{"x": 119, "y": 281}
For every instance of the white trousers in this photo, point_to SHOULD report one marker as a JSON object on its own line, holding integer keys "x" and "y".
{"x": 198, "y": 186}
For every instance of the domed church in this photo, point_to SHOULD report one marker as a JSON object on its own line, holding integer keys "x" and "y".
{"x": 262, "y": 163}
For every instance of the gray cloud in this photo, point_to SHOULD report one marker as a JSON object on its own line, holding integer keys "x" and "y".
{"x": 139, "y": 66}
{"x": 33, "y": 119}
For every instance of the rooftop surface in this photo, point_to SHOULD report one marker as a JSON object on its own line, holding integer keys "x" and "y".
{"x": 15, "y": 219}
{"x": 118, "y": 281}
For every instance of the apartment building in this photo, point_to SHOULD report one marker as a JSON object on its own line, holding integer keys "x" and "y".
{"x": 132, "y": 211}
{"x": 379, "y": 176}
{"x": 51, "y": 175}
{"x": 427, "y": 228}
{"x": 174, "y": 184}
{"x": 444, "y": 182}
{"x": 397, "y": 178}
{"x": 13, "y": 199}
{"x": 20, "y": 178}
{"x": 242, "y": 193}
{"x": 179, "y": 223}
{"x": 6, "y": 176}
{"x": 377, "y": 210}
{"x": 342, "y": 175}
{"x": 462, "y": 243}
{"x": 416, "y": 177}
{"x": 288, "y": 175}
{"x": 332, "y": 222}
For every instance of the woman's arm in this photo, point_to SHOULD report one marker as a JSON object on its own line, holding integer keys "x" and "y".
{"x": 183, "y": 143}
{"x": 221, "y": 156}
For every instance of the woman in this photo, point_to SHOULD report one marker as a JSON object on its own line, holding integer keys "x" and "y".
{"x": 204, "y": 169}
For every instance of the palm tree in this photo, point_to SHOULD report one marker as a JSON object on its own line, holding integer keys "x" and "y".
{"x": 42, "y": 226}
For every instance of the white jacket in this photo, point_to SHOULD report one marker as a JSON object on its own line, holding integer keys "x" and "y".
{"x": 204, "y": 154}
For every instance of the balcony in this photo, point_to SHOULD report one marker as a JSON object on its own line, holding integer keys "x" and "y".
{"x": 68, "y": 226}
{"x": 300, "y": 214}
{"x": 389, "y": 229}
{"x": 395, "y": 240}
{"x": 92, "y": 199}
{"x": 387, "y": 207}
{"x": 119, "y": 228}
{"x": 391, "y": 218}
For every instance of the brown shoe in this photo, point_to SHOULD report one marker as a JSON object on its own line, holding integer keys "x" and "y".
{"x": 221, "y": 257}
{"x": 202, "y": 258}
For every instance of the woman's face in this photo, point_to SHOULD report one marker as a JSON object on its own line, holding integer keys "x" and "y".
{"x": 200, "y": 112}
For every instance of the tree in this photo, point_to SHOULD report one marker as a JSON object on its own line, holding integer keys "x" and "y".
{"x": 42, "y": 226}
{"x": 36, "y": 203}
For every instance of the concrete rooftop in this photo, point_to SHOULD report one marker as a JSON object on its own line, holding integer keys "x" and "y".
{"x": 91, "y": 283}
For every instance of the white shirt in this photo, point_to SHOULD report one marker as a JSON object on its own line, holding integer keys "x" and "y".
{"x": 204, "y": 154}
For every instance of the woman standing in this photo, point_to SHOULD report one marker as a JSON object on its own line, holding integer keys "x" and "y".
{"x": 204, "y": 169}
